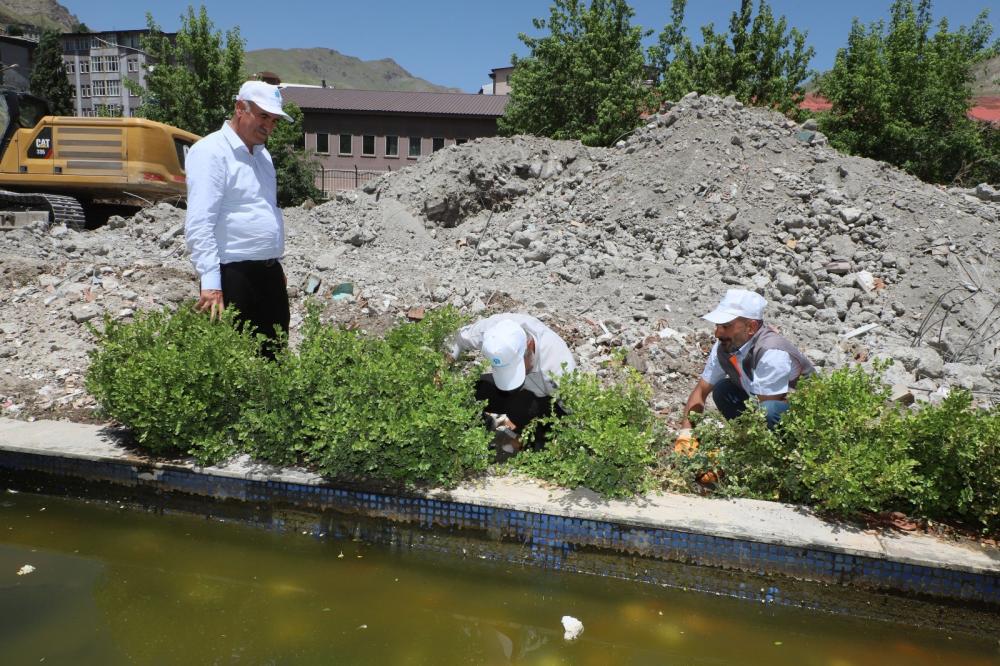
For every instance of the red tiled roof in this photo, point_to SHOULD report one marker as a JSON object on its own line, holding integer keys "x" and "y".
{"x": 378, "y": 101}
{"x": 985, "y": 109}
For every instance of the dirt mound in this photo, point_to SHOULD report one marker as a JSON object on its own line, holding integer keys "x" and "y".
{"x": 620, "y": 247}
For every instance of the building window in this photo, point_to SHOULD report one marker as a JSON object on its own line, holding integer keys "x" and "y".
{"x": 99, "y": 89}
{"x": 132, "y": 93}
{"x": 392, "y": 146}
{"x": 414, "y": 146}
{"x": 133, "y": 65}
{"x": 97, "y": 64}
{"x": 70, "y": 67}
{"x": 323, "y": 143}
{"x": 368, "y": 145}
{"x": 84, "y": 65}
{"x": 345, "y": 144}
{"x": 111, "y": 63}
{"x": 85, "y": 90}
{"x": 438, "y": 144}
{"x": 459, "y": 142}
{"x": 114, "y": 88}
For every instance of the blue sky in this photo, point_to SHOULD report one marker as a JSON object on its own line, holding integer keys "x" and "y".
{"x": 456, "y": 42}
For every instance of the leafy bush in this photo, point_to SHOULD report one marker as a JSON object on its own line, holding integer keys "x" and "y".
{"x": 847, "y": 443}
{"x": 754, "y": 459}
{"x": 605, "y": 441}
{"x": 389, "y": 409}
{"x": 176, "y": 379}
{"x": 956, "y": 447}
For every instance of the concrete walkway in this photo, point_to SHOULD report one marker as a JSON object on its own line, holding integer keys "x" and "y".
{"x": 751, "y": 520}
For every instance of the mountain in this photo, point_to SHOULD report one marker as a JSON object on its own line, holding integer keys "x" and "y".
{"x": 313, "y": 66}
{"x": 45, "y": 14}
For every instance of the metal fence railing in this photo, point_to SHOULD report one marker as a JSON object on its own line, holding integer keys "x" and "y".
{"x": 333, "y": 180}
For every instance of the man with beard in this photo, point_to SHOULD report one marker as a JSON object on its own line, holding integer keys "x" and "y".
{"x": 747, "y": 360}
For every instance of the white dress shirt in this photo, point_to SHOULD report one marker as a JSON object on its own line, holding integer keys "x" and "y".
{"x": 232, "y": 209}
{"x": 770, "y": 377}
{"x": 552, "y": 356}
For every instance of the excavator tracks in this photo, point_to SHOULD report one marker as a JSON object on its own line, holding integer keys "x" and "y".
{"x": 61, "y": 209}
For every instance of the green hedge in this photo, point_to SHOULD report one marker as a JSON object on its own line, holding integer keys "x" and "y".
{"x": 845, "y": 448}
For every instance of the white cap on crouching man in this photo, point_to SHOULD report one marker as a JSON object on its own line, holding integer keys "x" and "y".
{"x": 504, "y": 345}
{"x": 737, "y": 303}
{"x": 264, "y": 95}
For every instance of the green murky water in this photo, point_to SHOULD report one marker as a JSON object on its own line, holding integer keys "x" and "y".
{"x": 116, "y": 586}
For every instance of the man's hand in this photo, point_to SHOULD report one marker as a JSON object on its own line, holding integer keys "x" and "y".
{"x": 211, "y": 300}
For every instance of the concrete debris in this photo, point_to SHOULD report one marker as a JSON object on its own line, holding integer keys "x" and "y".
{"x": 615, "y": 247}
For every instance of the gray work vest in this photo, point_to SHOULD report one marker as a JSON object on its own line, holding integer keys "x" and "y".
{"x": 764, "y": 340}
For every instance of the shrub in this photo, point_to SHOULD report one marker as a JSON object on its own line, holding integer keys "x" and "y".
{"x": 605, "y": 441}
{"x": 356, "y": 406}
{"x": 956, "y": 447}
{"x": 176, "y": 379}
{"x": 848, "y": 444}
{"x": 753, "y": 459}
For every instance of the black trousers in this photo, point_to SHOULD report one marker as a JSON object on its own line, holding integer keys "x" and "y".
{"x": 257, "y": 290}
{"x": 520, "y": 405}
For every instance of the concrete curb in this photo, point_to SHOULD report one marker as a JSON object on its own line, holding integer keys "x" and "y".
{"x": 797, "y": 532}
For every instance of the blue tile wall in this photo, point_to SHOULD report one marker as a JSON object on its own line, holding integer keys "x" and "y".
{"x": 547, "y": 540}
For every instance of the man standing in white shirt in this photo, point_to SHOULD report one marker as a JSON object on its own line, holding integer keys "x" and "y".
{"x": 526, "y": 358}
{"x": 748, "y": 359}
{"x": 234, "y": 228}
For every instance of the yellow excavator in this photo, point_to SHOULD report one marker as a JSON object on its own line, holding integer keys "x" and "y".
{"x": 67, "y": 166}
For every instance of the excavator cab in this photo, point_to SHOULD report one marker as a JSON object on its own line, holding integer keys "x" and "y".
{"x": 18, "y": 110}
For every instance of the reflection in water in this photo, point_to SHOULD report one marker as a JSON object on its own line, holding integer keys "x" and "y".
{"x": 124, "y": 586}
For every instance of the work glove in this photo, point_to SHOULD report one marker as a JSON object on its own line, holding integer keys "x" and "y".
{"x": 686, "y": 443}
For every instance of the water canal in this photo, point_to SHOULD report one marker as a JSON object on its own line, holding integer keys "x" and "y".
{"x": 117, "y": 584}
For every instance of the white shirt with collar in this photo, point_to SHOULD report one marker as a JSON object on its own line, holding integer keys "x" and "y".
{"x": 232, "y": 209}
{"x": 552, "y": 355}
{"x": 770, "y": 377}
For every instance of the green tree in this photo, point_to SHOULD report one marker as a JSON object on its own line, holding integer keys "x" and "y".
{"x": 192, "y": 80}
{"x": 48, "y": 75}
{"x": 900, "y": 93}
{"x": 584, "y": 79}
{"x": 296, "y": 172}
{"x": 759, "y": 60}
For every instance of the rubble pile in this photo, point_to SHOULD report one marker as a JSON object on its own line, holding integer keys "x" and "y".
{"x": 619, "y": 247}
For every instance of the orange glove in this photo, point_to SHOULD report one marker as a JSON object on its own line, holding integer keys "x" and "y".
{"x": 685, "y": 442}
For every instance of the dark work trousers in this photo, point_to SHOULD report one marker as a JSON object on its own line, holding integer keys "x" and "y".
{"x": 257, "y": 290}
{"x": 731, "y": 400}
{"x": 520, "y": 406}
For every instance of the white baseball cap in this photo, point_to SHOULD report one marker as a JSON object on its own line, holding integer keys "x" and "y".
{"x": 504, "y": 345}
{"x": 737, "y": 303}
{"x": 264, "y": 95}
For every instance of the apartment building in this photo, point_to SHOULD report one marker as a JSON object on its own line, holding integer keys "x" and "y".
{"x": 97, "y": 63}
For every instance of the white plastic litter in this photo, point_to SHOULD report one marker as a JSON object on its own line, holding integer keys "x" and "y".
{"x": 572, "y": 626}
{"x": 26, "y": 569}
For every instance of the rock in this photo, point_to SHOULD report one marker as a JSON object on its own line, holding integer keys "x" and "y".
{"x": 84, "y": 313}
{"x": 864, "y": 281}
{"x": 786, "y": 284}
{"x": 851, "y": 215}
{"x": 987, "y": 192}
{"x": 921, "y": 361}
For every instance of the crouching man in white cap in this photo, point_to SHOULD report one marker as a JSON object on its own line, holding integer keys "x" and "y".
{"x": 747, "y": 359}
{"x": 526, "y": 359}
{"x": 234, "y": 228}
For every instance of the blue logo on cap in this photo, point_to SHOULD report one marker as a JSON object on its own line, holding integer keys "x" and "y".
{"x": 496, "y": 361}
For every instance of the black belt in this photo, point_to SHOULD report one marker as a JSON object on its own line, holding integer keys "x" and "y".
{"x": 266, "y": 263}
